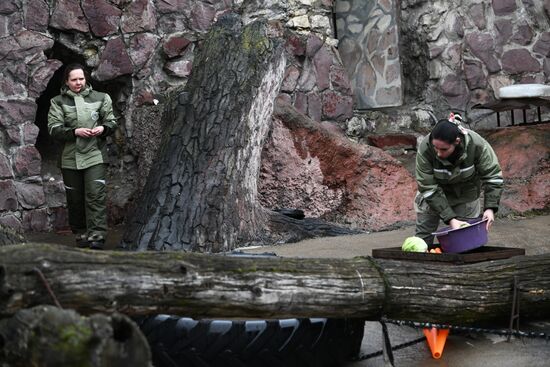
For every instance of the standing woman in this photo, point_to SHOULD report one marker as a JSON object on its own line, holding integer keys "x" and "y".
{"x": 81, "y": 119}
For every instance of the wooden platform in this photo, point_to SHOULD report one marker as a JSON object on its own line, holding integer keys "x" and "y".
{"x": 479, "y": 254}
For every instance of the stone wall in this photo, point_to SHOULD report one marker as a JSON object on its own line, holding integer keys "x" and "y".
{"x": 136, "y": 51}
{"x": 459, "y": 53}
{"x": 368, "y": 34}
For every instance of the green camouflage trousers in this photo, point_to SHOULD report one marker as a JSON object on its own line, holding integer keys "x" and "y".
{"x": 86, "y": 200}
{"x": 427, "y": 220}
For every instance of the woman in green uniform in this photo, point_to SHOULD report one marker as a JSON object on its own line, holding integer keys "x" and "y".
{"x": 453, "y": 166}
{"x": 81, "y": 119}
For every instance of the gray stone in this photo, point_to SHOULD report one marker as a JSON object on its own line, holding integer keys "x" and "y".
{"x": 37, "y": 15}
{"x": 27, "y": 161}
{"x": 179, "y": 68}
{"x": 103, "y": 17}
{"x": 8, "y": 199}
{"x": 114, "y": 61}
{"x": 523, "y": 35}
{"x": 388, "y": 96}
{"x": 5, "y": 167}
{"x": 142, "y": 48}
{"x": 8, "y": 46}
{"x": 10, "y": 86}
{"x": 55, "y": 193}
{"x": 175, "y": 45}
{"x": 546, "y": 68}
{"x": 519, "y": 61}
{"x": 504, "y": 7}
{"x": 314, "y": 106}
{"x": 482, "y": 46}
{"x": 139, "y": 16}
{"x": 393, "y": 73}
{"x": 41, "y": 76}
{"x": 11, "y": 221}
{"x": 8, "y": 7}
{"x": 290, "y": 79}
{"x": 323, "y": 61}
{"x": 35, "y": 220}
{"x": 542, "y": 46}
{"x": 373, "y": 38}
{"x": 67, "y": 15}
{"x": 475, "y": 77}
{"x": 477, "y": 15}
{"x": 30, "y": 195}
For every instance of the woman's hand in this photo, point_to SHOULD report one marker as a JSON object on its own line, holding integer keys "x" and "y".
{"x": 83, "y": 132}
{"x": 456, "y": 224}
{"x": 489, "y": 214}
{"x": 98, "y": 130}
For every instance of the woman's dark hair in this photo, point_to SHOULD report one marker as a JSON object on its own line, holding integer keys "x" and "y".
{"x": 446, "y": 131}
{"x": 72, "y": 67}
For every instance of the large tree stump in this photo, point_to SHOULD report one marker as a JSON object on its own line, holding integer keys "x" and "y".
{"x": 201, "y": 194}
{"x": 49, "y": 336}
{"x": 198, "y": 285}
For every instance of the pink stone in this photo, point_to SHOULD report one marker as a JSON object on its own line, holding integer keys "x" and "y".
{"x": 504, "y": 7}
{"x": 290, "y": 79}
{"x": 36, "y": 220}
{"x": 30, "y": 133}
{"x": 30, "y": 195}
{"x": 519, "y": 61}
{"x": 202, "y": 16}
{"x": 114, "y": 61}
{"x": 175, "y": 45}
{"x": 5, "y": 167}
{"x": 103, "y": 17}
{"x": 323, "y": 61}
{"x": 141, "y": 49}
{"x": 27, "y": 161}
{"x": 41, "y": 76}
{"x": 37, "y": 15}
{"x": 314, "y": 106}
{"x": 139, "y": 16}
{"x": 336, "y": 106}
{"x": 67, "y": 15}
{"x": 8, "y": 199}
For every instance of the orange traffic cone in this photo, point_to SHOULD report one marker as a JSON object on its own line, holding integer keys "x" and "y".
{"x": 436, "y": 339}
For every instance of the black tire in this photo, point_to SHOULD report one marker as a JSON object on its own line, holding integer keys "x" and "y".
{"x": 314, "y": 342}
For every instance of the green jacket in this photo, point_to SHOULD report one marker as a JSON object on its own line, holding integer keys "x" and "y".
{"x": 69, "y": 111}
{"x": 443, "y": 184}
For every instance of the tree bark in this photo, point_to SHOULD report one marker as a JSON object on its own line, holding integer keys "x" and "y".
{"x": 201, "y": 195}
{"x": 198, "y": 285}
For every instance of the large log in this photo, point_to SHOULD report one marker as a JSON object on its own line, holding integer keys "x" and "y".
{"x": 199, "y": 285}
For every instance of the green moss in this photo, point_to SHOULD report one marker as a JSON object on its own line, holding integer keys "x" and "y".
{"x": 254, "y": 40}
{"x": 74, "y": 343}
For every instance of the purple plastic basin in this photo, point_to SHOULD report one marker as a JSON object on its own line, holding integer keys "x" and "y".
{"x": 463, "y": 239}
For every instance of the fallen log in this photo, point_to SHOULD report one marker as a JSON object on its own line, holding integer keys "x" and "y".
{"x": 199, "y": 285}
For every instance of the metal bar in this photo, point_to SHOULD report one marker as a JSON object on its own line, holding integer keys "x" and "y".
{"x": 512, "y": 115}
{"x": 524, "y": 116}
{"x": 498, "y": 119}
{"x": 538, "y": 111}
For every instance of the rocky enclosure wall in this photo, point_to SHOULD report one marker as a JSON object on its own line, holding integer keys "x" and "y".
{"x": 453, "y": 54}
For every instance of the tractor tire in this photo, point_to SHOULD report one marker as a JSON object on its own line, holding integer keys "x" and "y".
{"x": 314, "y": 342}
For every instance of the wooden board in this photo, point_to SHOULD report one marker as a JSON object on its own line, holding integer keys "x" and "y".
{"x": 479, "y": 254}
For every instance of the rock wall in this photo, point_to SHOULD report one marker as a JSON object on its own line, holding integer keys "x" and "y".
{"x": 459, "y": 53}
{"x": 453, "y": 55}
